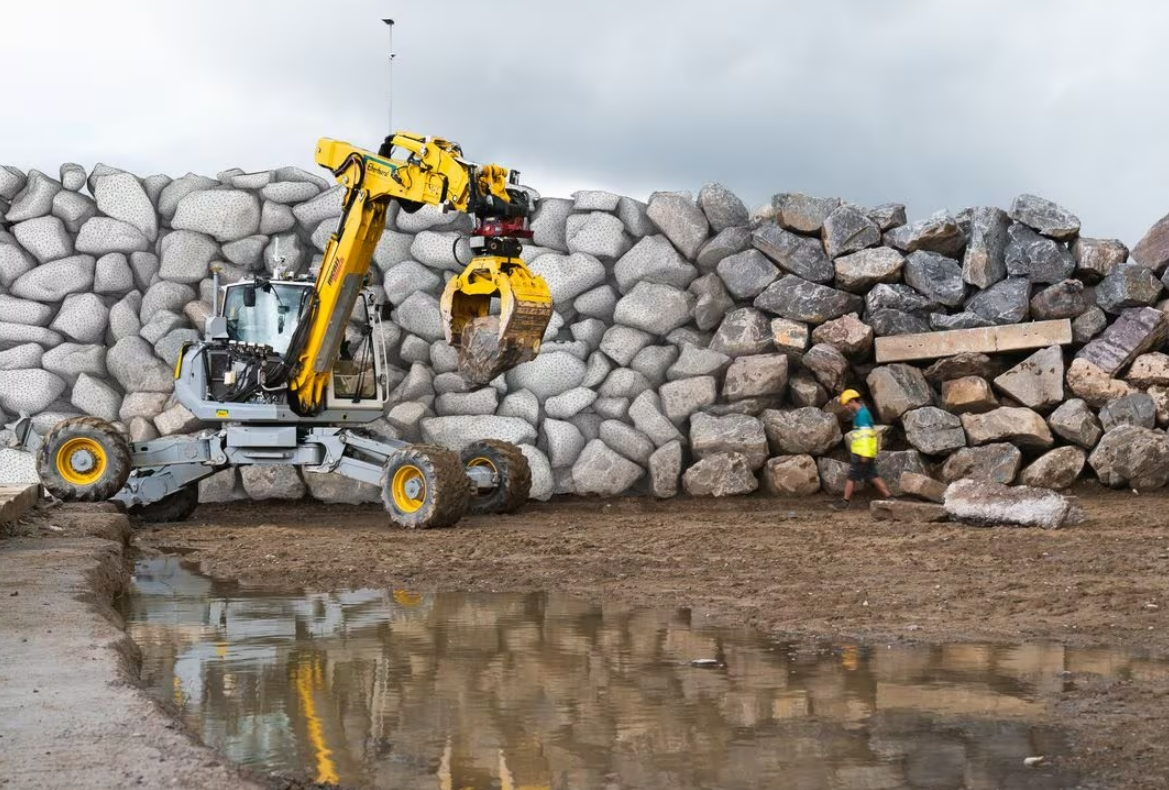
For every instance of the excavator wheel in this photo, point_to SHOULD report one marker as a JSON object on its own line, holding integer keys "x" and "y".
{"x": 84, "y": 459}
{"x": 424, "y": 486}
{"x": 512, "y": 474}
{"x": 177, "y": 507}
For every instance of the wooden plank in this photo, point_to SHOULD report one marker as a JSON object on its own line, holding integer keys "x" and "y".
{"x": 935, "y": 345}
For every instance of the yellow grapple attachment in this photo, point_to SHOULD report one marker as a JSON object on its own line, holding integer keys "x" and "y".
{"x": 489, "y": 345}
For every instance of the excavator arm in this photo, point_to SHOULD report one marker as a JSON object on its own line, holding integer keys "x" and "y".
{"x": 433, "y": 172}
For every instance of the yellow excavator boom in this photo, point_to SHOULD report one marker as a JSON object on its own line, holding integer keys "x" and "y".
{"x": 433, "y": 172}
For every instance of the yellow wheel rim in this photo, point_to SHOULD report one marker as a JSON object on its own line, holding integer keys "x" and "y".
{"x": 81, "y": 461}
{"x": 409, "y": 489}
{"x": 482, "y": 461}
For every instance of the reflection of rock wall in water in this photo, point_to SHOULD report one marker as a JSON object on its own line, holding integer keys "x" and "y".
{"x": 688, "y": 336}
{"x": 557, "y": 692}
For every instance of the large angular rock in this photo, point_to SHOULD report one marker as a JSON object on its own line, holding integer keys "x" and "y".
{"x": 941, "y": 323}
{"x": 482, "y": 401}
{"x": 1005, "y": 302}
{"x": 598, "y": 303}
{"x": 646, "y": 413}
{"x": 600, "y": 470}
{"x": 711, "y": 301}
{"x": 742, "y": 332}
{"x": 986, "y": 504}
{"x": 752, "y": 376}
{"x": 723, "y": 474}
{"x": 568, "y": 276}
{"x": 892, "y": 464}
{"x": 729, "y": 242}
{"x": 935, "y": 276}
{"x": 563, "y": 442}
{"x": 335, "y": 489}
{"x": 1076, "y": 423}
{"x": 996, "y": 463}
{"x": 164, "y": 296}
{"x": 680, "y": 220}
{"x": 1036, "y": 382}
{"x": 223, "y": 486}
{"x": 896, "y": 389}
{"x": 747, "y": 274}
{"x": 860, "y": 271}
{"x": 887, "y": 215}
{"x": 12, "y": 335}
{"x": 803, "y": 213}
{"x": 74, "y": 210}
{"x": 457, "y": 432}
{"x": 1135, "y": 409}
{"x": 801, "y": 256}
{"x": 26, "y": 356}
{"x": 1096, "y": 258}
{"x": 1132, "y": 456}
{"x": 594, "y": 200}
{"x": 833, "y": 475}
{"x": 112, "y": 275}
{"x": 653, "y": 362}
{"x": 1022, "y": 427}
{"x": 175, "y": 420}
{"x": 146, "y": 405}
{"x": 289, "y": 192}
{"x": 622, "y": 343}
{"x": 1127, "y": 285}
{"x": 654, "y": 308}
{"x": 1037, "y": 258}
{"x": 14, "y": 261}
{"x": 847, "y": 230}
{"x": 969, "y": 394}
{"x": 35, "y": 199}
{"x": 543, "y": 483}
{"x": 665, "y": 469}
{"x": 733, "y": 433}
{"x": 1146, "y": 371}
{"x": 22, "y": 311}
{"x": 70, "y": 360}
{"x": 626, "y": 441}
{"x": 82, "y": 318}
{"x": 624, "y": 383}
{"x": 889, "y": 323}
{"x": 175, "y": 191}
{"x": 145, "y": 268}
{"x": 790, "y": 337}
{"x": 45, "y": 237}
{"x": 224, "y": 214}
{"x": 12, "y": 180}
{"x": 655, "y": 260}
{"x": 132, "y": 362}
{"x": 910, "y": 512}
{"x": 1089, "y": 324}
{"x": 52, "y": 282}
{"x": 102, "y": 235}
{"x": 404, "y": 279}
{"x": 799, "y": 300}
{"x": 1046, "y": 217}
{"x": 722, "y": 207}
{"x": 635, "y": 215}
{"x": 933, "y": 431}
{"x": 1096, "y": 387}
{"x": 122, "y": 196}
{"x": 940, "y": 234}
{"x": 985, "y": 262}
{"x": 791, "y": 476}
{"x": 272, "y": 481}
{"x": 961, "y": 365}
{"x": 568, "y": 404}
{"x": 17, "y": 466}
{"x": 848, "y": 334}
{"x": 805, "y": 431}
{"x": 187, "y": 256}
{"x": 898, "y": 297}
{"x": 680, "y": 399}
{"x": 548, "y": 375}
{"x": 28, "y": 391}
{"x": 550, "y": 222}
{"x": 419, "y": 315}
{"x": 829, "y": 366}
{"x": 1065, "y": 299}
{"x": 327, "y": 205}
{"x": 1056, "y": 470}
{"x": 1153, "y": 249}
{"x": 1138, "y": 330}
{"x": 598, "y": 234}
{"x": 922, "y": 487}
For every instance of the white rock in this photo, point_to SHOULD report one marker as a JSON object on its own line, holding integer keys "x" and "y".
{"x": 296, "y": 174}
{"x": 165, "y": 296}
{"x": 83, "y": 318}
{"x": 132, "y": 362}
{"x": 73, "y": 209}
{"x": 653, "y": 259}
{"x": 622, "y": 343}
{"x": 22, "y": 311}
{"x": 253, "y": 180}
{"x": 336, "y": 489}
{"x": 594, "y": 200}
{"x": 223, "y": 214}
{"x": 169, "y": 347}
{"x": 653, "y": 362}
{"x": 141, "y": 430}
{"x": 541, "y": 469}
{"x": 175, "y": 420}
{"x": 247, "y": 252}
{"x": 568, "y": 276}
{"x": 633, "y": 214}
{"x": 655, "y": 308}
{"x": 392, "y": 249}
{"x": 52, "y": 282}
{"x": 419, "y": 314}
{"x": 18, "y": 334}
{"x": 480, "y": 402}
{"x": 563, "y": 442}
{"x": 624, "y": 383}
{"x": 223, "y": 486}
{"x": 457, "y": 432}
{"x": 124, "y": 321}
{"x": 122, "y": 197}
{"x": 101, "y": 235}
{"x": 680, "y": 220}
{"x": 289, "y": 191}
{"x": 145, "y": 266}
{"x": 35, "y": 199}
{"x": 600, "y": 235}
{"x": 589, "y": 331}
{"x": 72, "y": 176}
{"x": 175, "y": 191}
{"x": 627, "y": 441}
{"x": 95, "y": 397}
{"x": 549, "y": 224}
{"x": 680, "y": 399}
{"x": 272, "y": 481}
{"x": 994, "y": 504}
{"x": 437, "y": 250}
{"x": 147, "y": 405}
{"x": 15, "y": 262}
{"x": 600, "y": 470}
{"x": 12, "y": 180}
{"x": 45, "y": 237}
{"x": 646, "y": 414}
{"x": 548, "y": 375}
{"x": 326, "y": 205}
{"x": 522, "y": 404}
{"x": 25, "y": 356}
{"x": 568, "y": 404}
{"x": 28, "y": 391}
{"x": 695, "y": 361}
{"x": 112, "y": 274}
{"x": 17, "y": 466}
{"x": 598, "y": 303}
{"x": 70, "y": 360}
{"x": 153, "y": 185}
{"x": 276, "y": 218}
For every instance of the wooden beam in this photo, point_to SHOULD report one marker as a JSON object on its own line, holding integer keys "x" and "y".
{"x": 988, "y": 340}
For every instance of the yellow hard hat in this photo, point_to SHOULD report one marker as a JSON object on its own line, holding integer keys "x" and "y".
{"x": 849, "y": 395}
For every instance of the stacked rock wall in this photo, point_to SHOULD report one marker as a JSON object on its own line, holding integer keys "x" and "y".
{"x": 694, "y": 347}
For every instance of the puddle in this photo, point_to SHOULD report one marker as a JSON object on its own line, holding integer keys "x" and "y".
{"x": 401, "y": 690}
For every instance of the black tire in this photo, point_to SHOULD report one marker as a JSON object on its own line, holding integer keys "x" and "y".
{"x": 424, "y": 487}
{"x": 176, "y": 507}
{"x": 512, "y": 472}
{"x": 84, "y": 459}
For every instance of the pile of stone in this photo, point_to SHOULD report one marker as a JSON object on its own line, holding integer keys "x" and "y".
{"x": 695, "y": 346}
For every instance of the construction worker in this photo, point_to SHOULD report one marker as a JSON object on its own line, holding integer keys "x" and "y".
{"x": 863, "y": 447}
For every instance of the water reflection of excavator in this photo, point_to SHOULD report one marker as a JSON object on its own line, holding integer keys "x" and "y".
{"x": 285, "y": 372}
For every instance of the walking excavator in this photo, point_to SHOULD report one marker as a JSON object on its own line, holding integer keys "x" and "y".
{"x": 290, "y": 368}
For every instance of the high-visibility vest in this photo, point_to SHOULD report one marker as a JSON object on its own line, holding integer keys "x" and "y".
{"x": 864, "y": 442}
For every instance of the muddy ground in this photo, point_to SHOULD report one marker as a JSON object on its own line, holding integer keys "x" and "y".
{"x": 791, "y": 567}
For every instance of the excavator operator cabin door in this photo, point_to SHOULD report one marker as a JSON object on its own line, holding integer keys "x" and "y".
{"x": 359, "y": 379}
{"x": 265, "y": 313}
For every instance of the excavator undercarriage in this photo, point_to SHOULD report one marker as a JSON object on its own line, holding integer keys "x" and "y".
{"x": 290, "y": 368}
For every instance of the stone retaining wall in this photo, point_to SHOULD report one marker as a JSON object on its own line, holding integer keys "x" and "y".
{"x": 694, "y": 346}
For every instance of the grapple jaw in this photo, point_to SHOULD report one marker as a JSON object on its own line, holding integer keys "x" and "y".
{"x": 488, "y": 344}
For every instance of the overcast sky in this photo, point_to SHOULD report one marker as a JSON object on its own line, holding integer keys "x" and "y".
{"x": 933, "y": 103}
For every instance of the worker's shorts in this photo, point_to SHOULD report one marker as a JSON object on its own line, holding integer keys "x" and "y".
{"x": 862, "y": 469}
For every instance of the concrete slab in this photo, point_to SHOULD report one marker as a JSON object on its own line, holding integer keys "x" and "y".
{"x": 935, "y": 345}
